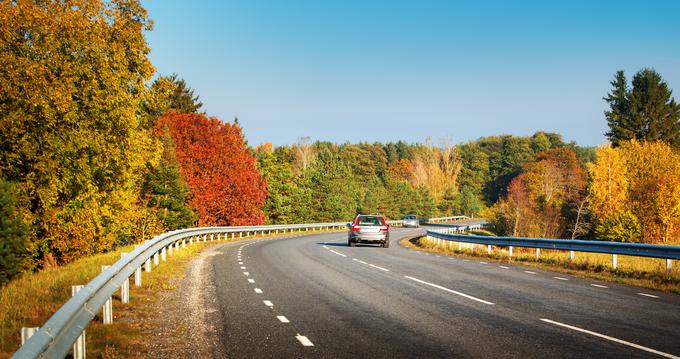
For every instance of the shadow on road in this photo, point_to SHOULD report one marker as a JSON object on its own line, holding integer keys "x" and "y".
{"x": 345, "y": 245}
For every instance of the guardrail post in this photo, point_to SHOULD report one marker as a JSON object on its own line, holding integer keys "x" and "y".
{"x": 138, "y": 277}
{"x": 170, "y": 249}
{"x": 156, "y": 259}
{"x": 163, "y": 255}
{"x": 571, "y": 256}
{"x": 107, "y": 309}
{"x": 510, "y": 251}
{"x": 212, "y": 237}
{"x": 27, "y": 332}
{"x": 147, "y": 265}
{"x": 538, "y": 253}
{"x": 184, "y": 242}
{"x": 125, "y": 287}
{"x": 79, "y": 345}
{"x": 669, "y": 265}
{"x": 488, "y": 249}
{"x": 614, "y": 261}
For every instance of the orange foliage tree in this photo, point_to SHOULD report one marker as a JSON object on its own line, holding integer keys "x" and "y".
{"x": 539, "y": 199}
{"x": 226, "y": 187}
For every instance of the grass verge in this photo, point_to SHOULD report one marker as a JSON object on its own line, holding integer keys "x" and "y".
{"x": 637, "y": 271}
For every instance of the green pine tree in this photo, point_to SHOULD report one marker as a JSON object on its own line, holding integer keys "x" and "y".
{"x": 12, "y": 236}
{"x": 647, "y": 111}
{"x": 167, "y": 192}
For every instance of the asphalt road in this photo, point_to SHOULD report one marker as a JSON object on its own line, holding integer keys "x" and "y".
{"x": 313, "y": 296}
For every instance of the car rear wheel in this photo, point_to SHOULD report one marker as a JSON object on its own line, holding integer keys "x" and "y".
{"x": 386, "y": 244}
{"x": 350, "y": 243}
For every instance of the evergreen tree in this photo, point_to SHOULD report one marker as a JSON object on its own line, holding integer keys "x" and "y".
{"x": 12, "y": 236}
{"x": 182, "y": 99}
{"x": 166, "y": 191}
{"x": 646, "y": 112}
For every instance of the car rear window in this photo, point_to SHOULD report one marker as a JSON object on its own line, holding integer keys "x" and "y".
{"x": 370, "y": 221}
{"x": 410, "y": 217}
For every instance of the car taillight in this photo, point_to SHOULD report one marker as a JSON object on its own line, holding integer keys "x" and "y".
{"x": 384, "y": 229}
{"x": 356, "y": 227}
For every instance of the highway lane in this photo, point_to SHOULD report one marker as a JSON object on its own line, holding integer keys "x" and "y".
{"x": 312, "y": 296}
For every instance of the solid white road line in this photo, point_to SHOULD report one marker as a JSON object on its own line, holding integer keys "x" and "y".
{"x": 362, "y": 262}
{"x": 650, "y": 350}
{"x": 504, "y": 267}
{"x": 599, "y": 286}
{"x": 450, "y": 290}
{"x": 282, "y": 319}
{"x": 251, "y": 280}
{"x": 258, "y": 290}
{"x": 304, "y": 341}
{"x": 529, "y": 272}
{"x": 381, "y": 268}
{"x": 268, "y": 303}
{"x": 560, "y": 278}
{"x": 338, "y": 253}
{"x": 648, "y": 295}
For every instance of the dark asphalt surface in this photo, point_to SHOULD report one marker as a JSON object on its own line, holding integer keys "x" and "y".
{"x": 372, "y": 302}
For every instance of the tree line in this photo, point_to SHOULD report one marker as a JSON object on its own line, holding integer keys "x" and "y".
{"x": 96, "y": 153}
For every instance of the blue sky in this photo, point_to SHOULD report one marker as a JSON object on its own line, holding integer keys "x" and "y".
{"x": 408, "y": 70}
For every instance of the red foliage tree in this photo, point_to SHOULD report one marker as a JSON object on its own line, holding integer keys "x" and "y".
{"x": 226, "y": 186}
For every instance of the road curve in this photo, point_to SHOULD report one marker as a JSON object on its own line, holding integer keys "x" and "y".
{"x": 313, "y": 296}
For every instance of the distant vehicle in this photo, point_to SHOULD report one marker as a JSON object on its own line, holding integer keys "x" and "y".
{"x": 411, "y": 220}
{"x": 369, "y": 228}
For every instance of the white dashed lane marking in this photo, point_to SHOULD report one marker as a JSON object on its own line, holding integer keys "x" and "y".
{"x": 381, "y": 268}
{"x": 258, "y": 290}
{"x": 250, "y": 280}
{"x": 338, "y": 253}
{"x": 529, "y": 272}
{"x": 243, "y": 267}
{"x": 504, "y": 267}
{"x": 282, "y": 319}
{"x": 304, "y": 341}
{"x": 636, "y": 346}
{"x": 560, "y": 278}
{"x": 599, "y": 286}
{"x": 648, "y": 295}
{"x": 449, "y": 290}
{"x": 268, "y": 303}
{"x": 246, "y": 273}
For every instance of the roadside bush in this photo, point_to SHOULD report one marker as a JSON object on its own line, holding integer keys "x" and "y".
{"x": 12, "y": 236}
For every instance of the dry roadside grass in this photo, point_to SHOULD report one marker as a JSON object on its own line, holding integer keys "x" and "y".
{"x": 31, "y": 299}
{"x": 637, "y": 271}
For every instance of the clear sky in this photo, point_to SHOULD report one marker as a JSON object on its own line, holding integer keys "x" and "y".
{"x": 407, "y": 70}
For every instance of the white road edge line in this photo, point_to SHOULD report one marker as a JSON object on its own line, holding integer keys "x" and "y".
{"x": 648, "y": 295}
{"x": 609, "y": 338}
{"x": 304, "y": 341}
{"x": 450, "y": 290}
{"x": 378, "y": 267}
{"x": 599, "y": 285}
{"x": 282, "y": 319}
{"x": 362, "y": 262}
{"x": 338, "y": 253}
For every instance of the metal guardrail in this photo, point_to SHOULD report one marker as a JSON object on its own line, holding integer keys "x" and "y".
{"x": 56, "y": 337}
{"x": 614, "y": 248}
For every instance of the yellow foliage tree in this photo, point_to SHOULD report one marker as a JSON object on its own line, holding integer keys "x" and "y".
{"x": 638, "y": 181}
